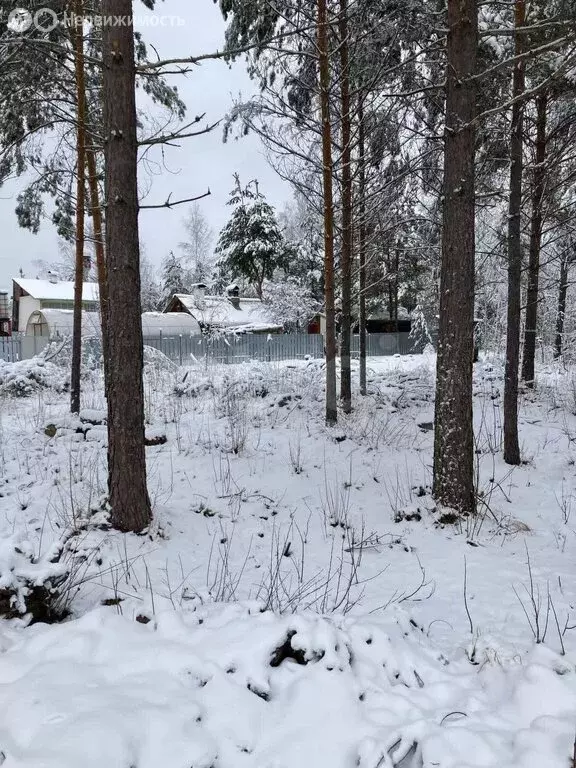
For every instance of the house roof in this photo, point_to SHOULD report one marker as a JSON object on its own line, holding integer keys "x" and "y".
{"x": 169, "y": 324}
{"x": 57, "y": 291}
{"x": 232, "y": 314}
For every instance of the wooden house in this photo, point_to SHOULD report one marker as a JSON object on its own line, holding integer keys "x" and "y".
{"x": 231, "y": 313}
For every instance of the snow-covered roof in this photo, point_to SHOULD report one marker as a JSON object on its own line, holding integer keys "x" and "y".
{"x": 56, "y": 291}
{"x": 232, "y": 314}
{"x": 169, "y": 324}
{"x": 60, "y": 322}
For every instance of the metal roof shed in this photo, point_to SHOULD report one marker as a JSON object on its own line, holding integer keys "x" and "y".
{"x": 54, "y": 323}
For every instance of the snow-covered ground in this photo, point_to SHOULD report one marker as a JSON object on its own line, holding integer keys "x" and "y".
{"x": 299, "y": 601}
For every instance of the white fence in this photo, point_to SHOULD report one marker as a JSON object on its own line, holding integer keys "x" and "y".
{"x": 234, "y": 349}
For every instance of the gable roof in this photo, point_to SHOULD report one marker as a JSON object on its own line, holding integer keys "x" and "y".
{"x": 58, "y": 291}
{"x": 232, "y": 314}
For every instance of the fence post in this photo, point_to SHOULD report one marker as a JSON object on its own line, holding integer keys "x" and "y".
{"x": 180, "y": 348}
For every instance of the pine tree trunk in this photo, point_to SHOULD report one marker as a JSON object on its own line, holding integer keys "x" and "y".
{"x": 327, "y": 179}
{"x": 561, "y": 311}
{"x": 346, "y": 260}
{"x": 78, "y": 35}
{"x": 97, "y": 222}
{"x": 511, "y": 443}
{"x": 453, "y": 428}
{"x": 536, "y": 221}
{"x": 396, "y": 281}
{"x": 362, "y": 245}
{"x": 128, "y": 494}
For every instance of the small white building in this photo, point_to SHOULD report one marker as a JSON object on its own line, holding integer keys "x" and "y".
{"x": 29, "y": 296}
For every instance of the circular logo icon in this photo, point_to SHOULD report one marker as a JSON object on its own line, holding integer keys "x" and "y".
{"x": 19, "y": 20}
{"x": 45, "y": 20}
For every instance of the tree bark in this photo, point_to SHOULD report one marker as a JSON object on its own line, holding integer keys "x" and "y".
{"x": 536, "y": 222}
{"x": 561, "y": 311}
{"x": 327, "y": 179}
{"x": 396, "y": 281}
{"x": 511, "y": 443}
{"x": 362, "y": 245}
{"x": 346, "y": 260}
{"x": 98, "y": 225}
{"x": 453, "y": 427}
{"x": 128, "y": 494}
{"x": 78, "y": 35}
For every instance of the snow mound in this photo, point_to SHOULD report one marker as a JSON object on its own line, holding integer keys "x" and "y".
{"x": 253, "y": 381}
{"x": 26, "y": 377}
{"x": 28, "y": 584}
{"x": 154, "y": 358}
{"x": 229, "y": 686}
{"x": 402, "y": 389}
{"x": 59, "y": 352}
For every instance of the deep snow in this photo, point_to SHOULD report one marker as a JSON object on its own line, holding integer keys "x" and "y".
{"x": 255, "y": 500}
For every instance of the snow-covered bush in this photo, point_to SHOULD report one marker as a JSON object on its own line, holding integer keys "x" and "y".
{"x": 246, "y": 380}
{"x": 29, "y": 585}
{"x": 59, "y": 352}
{"x": 154, "y": 358}
{"x": 25, "y": 377}
{"x": 290, "y": 304}
{"x": 193, "y": 386}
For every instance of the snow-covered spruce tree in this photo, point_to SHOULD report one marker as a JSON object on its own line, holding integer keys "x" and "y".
{"x": 174, "y": 277}
{"x": 251, "y": 244}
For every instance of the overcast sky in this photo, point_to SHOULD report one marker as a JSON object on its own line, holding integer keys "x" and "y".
{"x": 200, "y": 163}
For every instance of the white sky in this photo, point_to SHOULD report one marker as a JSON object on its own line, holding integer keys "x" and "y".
{"x": 198, "y": 164}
